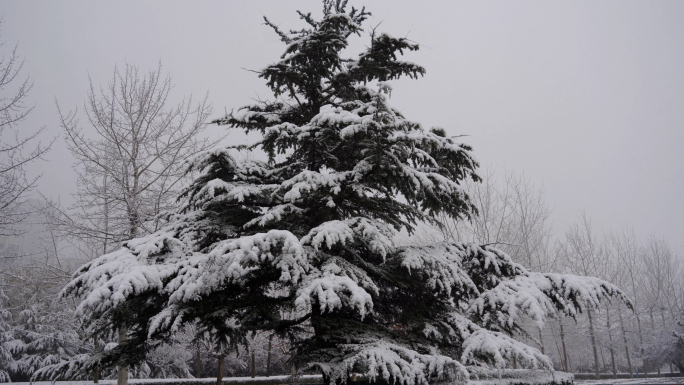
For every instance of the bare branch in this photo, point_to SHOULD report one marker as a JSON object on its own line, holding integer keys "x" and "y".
{"x": 129, "y": 156}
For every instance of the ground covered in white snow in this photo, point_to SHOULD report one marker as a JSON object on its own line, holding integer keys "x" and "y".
{"x": 500, "y": 377}
{"x": 634, "y": 381}
{"x": 306, "y": 379}
{"x": 503, "y": 377}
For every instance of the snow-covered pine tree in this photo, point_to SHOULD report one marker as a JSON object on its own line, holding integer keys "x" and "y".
{"x": 46, "y": 335}
{"x": 678, "y": 356}
{"x": 8, "y": 341}
{"x": 669, "y": 347}
{"x": 303, "y": 244}
{"x": 36, "y": 329}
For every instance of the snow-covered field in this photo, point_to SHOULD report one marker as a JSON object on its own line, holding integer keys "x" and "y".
{"x": 211, "y": 380}
{"x": 226, "y": 380}
{"x": 540, "y": 378}
{"x": 635, "y": 381}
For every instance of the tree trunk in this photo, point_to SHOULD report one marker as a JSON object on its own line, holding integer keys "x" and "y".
{"x": 624, "y": 338}
{"x": 603, "y": 358}
{"x": 565, "y": 351}
{"x": 641, "y": 340}
{"x": 268, "y": 357}
{"x": 326, "y": 380}
{"x": 122, "y": 378}
{"x": 593, "y": 343}
{"x": 657, "y": 363}
{"x": 199, "y": 361}
{"x": 253, "y": 365}
{"x": 106, "y": 217}
{"x": 219, "y": 375}
{"x": 96, "y": 371}
{"x": 610, "y": 339}
{"x": 541, "y": 341}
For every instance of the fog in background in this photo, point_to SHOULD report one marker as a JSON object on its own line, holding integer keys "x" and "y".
{"x": 585, "y": 98}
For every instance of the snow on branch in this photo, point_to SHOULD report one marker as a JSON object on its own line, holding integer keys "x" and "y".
{"x": 539, "y": 296}
{"x": 170, "y": 318}
{"x": 481, "y": 345}
{"x": 341, "y": 267}
{"x": 273, "y": 214}
{"x": 110, "y": 279}
{"x": 392, "y": 363}
{"x": 147, "y": 263}
{"x": 377, "y": 235}
{"x": 498, "y": 349}
{"x": 232, "y": 261}
{"x": 488, "y": 266}
{"x": 329, "y": 234}
{"x": 330, "y": 292}
{"x": 441, "y": 264}
{"x": 311, "y": 181}
{"x": 77, "y": 368}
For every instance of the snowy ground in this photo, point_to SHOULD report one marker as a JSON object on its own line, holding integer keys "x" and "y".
{"x": 312, "y": 378}
{"x": 633, "y": 381}
{"x": 226, "y": 380}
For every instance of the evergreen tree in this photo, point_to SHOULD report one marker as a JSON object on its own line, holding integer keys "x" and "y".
{"x": 668, "y": 345}
{"x": 8, "y": 341}
{"x": 677, "y": 357}
{"x": 45, "y": 335}
{"x": 303, "y": 244}
{"x": 36, "y": 329}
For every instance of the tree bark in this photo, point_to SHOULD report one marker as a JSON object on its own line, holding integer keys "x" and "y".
{"x": 593, "y": 343}
{"x": 541, "y": 341}
{"x": 603, "y": 358}
{"x": 253, "y": 365}
{"x": 122, "y": 378}
{"x": 565, "y": 351}
{"x": 219, "y": 375}
{"x": 268, "y": 357}
{"x": 610, "y": 339}
{"x": 199, "y": 361}
{"x": 96, "y": 372}
{"x": 641, "y": 340}
{"x": 624, "y": 338}
{"x": 657, "y": 363}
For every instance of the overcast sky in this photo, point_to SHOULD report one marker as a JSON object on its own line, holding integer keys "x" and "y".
{"x": 584, "y": 97}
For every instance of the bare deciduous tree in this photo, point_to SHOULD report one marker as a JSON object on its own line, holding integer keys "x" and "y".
{"x": 18, "y": 145}
{"x": 628, "y": 252}
{"x": 583, "y": 253}
{"x": 662, "y": 278}
{"x": 129, "y": 160}
{"x": 512, "y": 214}
{"x": 130, "y": 164}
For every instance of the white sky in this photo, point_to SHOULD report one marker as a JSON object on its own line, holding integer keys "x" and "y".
{"x": 586, "y": 98}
